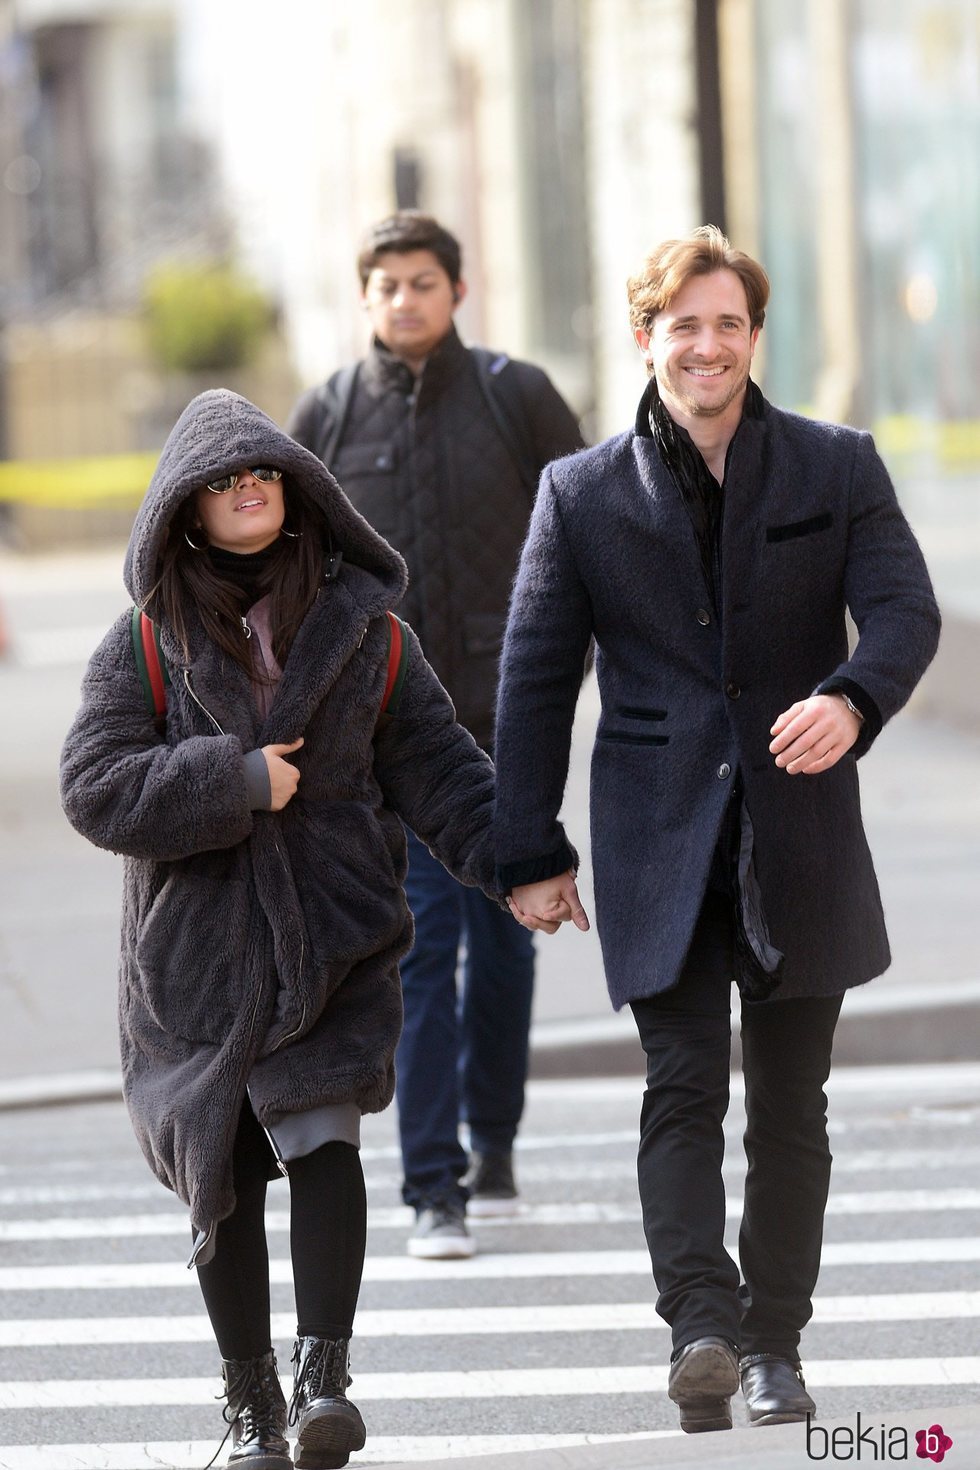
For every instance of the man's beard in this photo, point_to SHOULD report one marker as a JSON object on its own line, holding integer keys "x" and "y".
{"x": 700, "y": 409}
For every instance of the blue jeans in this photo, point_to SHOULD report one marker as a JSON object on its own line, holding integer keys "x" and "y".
{"x": 461, "y": 1057}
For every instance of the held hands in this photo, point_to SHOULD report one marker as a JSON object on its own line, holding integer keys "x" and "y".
{"x": 812, "y": 735}
{"x": 283, "y": 777}
{"x": 547, "y": 905}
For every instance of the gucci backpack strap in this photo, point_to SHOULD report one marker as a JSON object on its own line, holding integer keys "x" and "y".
{"x": 397, "y": 665}
{"x": 151, "y": 666}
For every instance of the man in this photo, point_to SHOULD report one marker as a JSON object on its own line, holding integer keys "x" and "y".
{"x": 711, "y": 551}
{"x": 440, "y": 448}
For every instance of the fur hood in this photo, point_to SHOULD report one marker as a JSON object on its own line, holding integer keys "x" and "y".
{"x": 217, "y": 433}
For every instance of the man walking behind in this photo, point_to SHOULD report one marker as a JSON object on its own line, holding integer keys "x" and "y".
{"x": 712, "y": 551}
{"x": 440, "y": 448}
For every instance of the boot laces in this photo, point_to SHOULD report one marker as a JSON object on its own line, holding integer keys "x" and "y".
{"x": 320, "y": 1366}
{"x": 252, "y": 1401}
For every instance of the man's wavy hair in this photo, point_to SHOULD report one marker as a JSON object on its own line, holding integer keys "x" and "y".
{"x": 673, "y": 263}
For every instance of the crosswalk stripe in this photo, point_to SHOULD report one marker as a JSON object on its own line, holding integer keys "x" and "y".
{"x": 898, "y": 1201}
{"x": 171, "y": 1274}
{"x": 381, "y": 1450}
{"x": 938, "y": 1160}
{"x": 561, "y": 1382}
{"x": 465, "y": 1322}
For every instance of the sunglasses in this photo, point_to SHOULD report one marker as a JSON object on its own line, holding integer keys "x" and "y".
{"x": 267, "y": 473}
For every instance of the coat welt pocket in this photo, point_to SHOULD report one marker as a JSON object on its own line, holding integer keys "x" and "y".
{"x": 635, "y": 712}
{"x": 623, "y": 737}
{"x": 800, "y": 528}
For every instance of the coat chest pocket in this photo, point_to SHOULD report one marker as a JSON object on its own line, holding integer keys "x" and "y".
{"x": 378, "y": 458}
{"x": 368, "y": 475}
{"x": 796, "y": 530}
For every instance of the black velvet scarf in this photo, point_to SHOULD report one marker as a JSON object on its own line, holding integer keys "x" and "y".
{"x": 703, "y": 497}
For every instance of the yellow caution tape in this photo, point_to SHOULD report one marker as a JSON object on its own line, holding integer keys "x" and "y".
{"x": 117, "y": 479}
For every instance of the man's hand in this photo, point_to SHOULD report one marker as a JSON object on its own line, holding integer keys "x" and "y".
{"x": 811, "y": 736}
{"x": 549, "y": 904}
{"x": 283, "y": 777}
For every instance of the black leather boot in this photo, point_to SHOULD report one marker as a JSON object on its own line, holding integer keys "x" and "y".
{"x": 256, "y": 1414}
{"x": 774, "y": 1390}
{"x": 703, "y": 1377}
{"x": 328, "y": 1424}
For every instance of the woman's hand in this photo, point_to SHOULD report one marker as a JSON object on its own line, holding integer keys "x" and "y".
{"x": 283, "y": 777}
{"x": 549, "y": 904}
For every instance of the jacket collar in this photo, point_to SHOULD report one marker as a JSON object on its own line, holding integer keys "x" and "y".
{"x": 383, "y": 371}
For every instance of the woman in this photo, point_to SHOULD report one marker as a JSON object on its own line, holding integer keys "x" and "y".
{"x": 263, "y": 914}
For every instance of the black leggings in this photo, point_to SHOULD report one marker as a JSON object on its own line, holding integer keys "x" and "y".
{"x": 327, "y": 1235}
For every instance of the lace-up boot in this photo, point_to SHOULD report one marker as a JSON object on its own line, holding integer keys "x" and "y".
{"x": 329, "y": 1426}
{"x": 255, "y": 1414}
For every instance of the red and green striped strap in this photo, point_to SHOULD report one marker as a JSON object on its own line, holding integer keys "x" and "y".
{"x": 150, "y": 664}
{"x": 155, "y": 676}
{"x": 397, "y": 665}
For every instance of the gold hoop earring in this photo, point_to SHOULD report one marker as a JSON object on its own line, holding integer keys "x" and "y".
{"x": 193, "y": 544}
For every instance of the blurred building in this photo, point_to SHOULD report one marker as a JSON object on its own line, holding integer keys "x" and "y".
{"x": 99, "y": 180}
{"x": 835, "y": 139}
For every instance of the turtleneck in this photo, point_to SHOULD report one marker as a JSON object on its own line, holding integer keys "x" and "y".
{"x": 245, "y": 569}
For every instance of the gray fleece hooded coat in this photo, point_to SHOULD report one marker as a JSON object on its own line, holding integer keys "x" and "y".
{"x": 261, "y": 948}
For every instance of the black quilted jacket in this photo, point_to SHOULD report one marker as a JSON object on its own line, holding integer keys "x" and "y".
{"x": 425, "y": 463}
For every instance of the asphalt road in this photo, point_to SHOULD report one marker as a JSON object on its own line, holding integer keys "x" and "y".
{"x": 546, "y": 1339}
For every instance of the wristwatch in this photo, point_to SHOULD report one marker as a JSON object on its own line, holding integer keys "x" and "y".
{"x": 850, "y": 704}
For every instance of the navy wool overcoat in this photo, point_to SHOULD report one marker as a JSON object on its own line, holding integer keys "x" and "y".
{"x": 811, "y": 528}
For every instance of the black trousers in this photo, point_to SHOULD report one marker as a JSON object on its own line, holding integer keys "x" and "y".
{"x": 327, "y": 1237}
{"x": 786, "y": 1049}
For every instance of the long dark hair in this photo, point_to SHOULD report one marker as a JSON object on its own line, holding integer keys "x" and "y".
{"x": 188, "y": 580}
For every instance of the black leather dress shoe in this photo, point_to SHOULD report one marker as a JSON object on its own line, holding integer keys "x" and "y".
{"x": 774, "y": 1389}
{"x": 703, "y": 1377}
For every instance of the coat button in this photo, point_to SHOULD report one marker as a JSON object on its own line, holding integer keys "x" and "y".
{"x": 703, "y": 616}
{"x": 732, "y": 690}
{"x": 724, "y": 771}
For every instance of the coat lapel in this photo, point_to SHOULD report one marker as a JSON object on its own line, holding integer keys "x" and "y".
{"x": 665, "y": 511}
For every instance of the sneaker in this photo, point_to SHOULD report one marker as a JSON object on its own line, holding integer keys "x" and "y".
{"x": 490, "y": 1182}
{"x": 440, "y": 1233}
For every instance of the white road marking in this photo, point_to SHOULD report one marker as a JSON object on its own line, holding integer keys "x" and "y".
{"x": 586, "y": 1212}
{"x": 892, "y": 1161}
{"x": 561, "y": 1382}
{"x": 487, "y": 1267}
{"x": 465, "y": 1322}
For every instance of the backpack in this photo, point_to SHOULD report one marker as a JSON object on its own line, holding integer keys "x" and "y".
{"x": 501, "y": 394}
{"x": 155, "y": 676}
